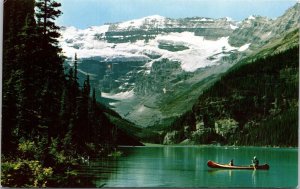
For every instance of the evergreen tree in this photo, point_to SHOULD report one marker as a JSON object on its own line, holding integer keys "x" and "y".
{"x": 76, "y": 69}
{"x": 46, "y": 14}
{"x": 94, "y": 102}
{"x": 19, "y": 37}
{"x": 46, "y": 116}
{"x": 50, "y": 66}
{"x": 9, "y": 113}
{"x": 87, "y": 86}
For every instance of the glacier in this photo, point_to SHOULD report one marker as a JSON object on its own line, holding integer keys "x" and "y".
{"x": 195, "y": 56}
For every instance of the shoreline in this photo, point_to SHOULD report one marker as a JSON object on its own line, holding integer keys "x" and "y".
{"x": 211, "y": 145}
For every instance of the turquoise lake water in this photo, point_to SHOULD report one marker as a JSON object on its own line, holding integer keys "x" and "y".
{"x": 184, "y": 166}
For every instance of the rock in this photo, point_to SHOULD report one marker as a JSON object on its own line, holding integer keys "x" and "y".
{"x": 187, "y": 142}
{"x": 225, "y": 126}
{"x": 171, "y": 138}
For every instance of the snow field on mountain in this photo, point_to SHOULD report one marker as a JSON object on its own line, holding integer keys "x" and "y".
{"x": 137, "y": 23}
{"x": 197, "y": 55}
{"x": 244, "y": 47}
{"x": 119, "y": 96}
{"x": 198, "y": 52}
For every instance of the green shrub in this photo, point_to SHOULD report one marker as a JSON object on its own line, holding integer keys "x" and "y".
{"x": 24, "y": 173}
{"x": 58, "y": 155}
{"x": 27, "y": 149}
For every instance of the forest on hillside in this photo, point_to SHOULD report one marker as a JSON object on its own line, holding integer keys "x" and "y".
{"x": 254, "y": 103}
{"x": 50, "y": 122}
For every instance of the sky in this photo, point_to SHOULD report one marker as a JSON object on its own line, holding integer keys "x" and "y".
{"x": 85, "y": 13}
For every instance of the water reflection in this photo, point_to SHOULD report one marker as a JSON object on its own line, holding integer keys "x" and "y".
{"x": 221, "y": 171}
{"x": 98, "y": 171}
{"x": 254, "y": 177}
{"x": 186, "y": 167}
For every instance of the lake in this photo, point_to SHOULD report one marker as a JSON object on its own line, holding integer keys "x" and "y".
{"x": 185, "y": 166}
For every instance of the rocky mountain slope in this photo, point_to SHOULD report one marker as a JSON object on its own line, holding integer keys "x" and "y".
{"x": 151, "y": 70}
{"x": 254, "y": 103}
{"x": 259, "y": 30}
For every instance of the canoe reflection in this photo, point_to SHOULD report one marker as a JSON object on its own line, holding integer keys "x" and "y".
{"x": 223, "y": 171}
{"x": 230, "y": 173}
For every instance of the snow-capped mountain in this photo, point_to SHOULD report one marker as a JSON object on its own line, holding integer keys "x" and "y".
{"x": 155, "y": 21}
{"x": 159, "y": 22}
{"x": 150, "y": 64}
{"x": 192, "y": 51}
{"x": 186, "y": 40}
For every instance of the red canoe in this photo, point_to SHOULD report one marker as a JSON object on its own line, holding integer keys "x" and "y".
{"x": 226, "y": 166}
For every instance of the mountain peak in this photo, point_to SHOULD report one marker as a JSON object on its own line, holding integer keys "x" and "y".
{"x": 229, "y": 19}
{"x": 251, "y": 17}
{"x": 137, "y": 23}
{"x": 154, "y": 17}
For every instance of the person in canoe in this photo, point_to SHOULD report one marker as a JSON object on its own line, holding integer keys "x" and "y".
{"x": 231, "y": 162}
{"x": 255, "y": 162}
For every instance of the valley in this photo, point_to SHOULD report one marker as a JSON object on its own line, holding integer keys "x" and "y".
{"x": 140, "y": 66}
{"x": 153, "y": 69}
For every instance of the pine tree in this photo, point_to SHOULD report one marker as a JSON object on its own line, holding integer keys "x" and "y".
{"x": 94, "y": 101}
{"x": 76, "y": 71}
{"x": 51, "y": 66}
{"x": 18, "y": 67}
{"x": 64, "y": 114}
{"x": 46, "y": 14}
{"x": 40, "y": 103}
{"x": 87, "y": 86}
{"x": 9, "y": 113}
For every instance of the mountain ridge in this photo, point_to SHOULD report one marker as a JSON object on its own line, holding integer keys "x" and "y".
{"x": 154, "y": 66}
